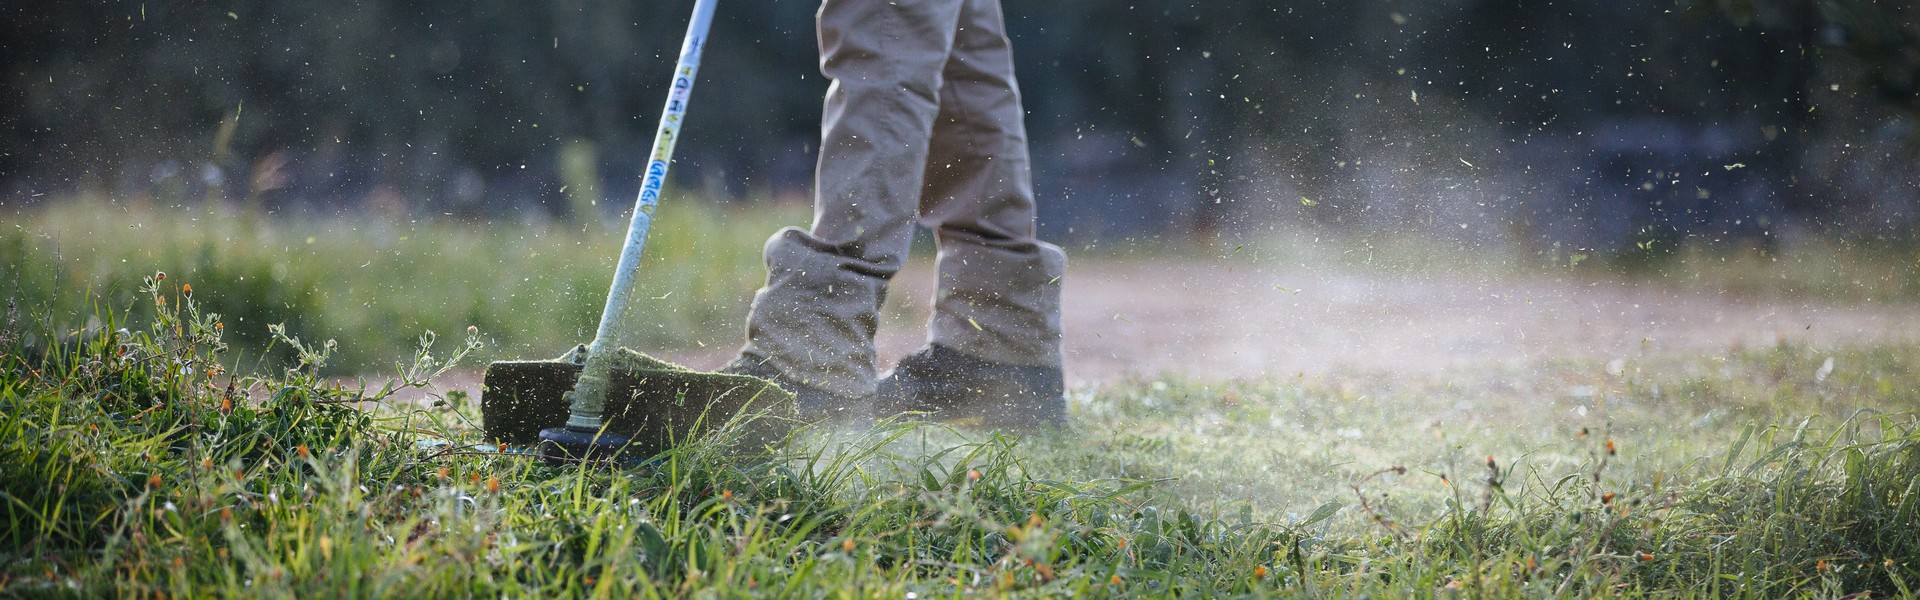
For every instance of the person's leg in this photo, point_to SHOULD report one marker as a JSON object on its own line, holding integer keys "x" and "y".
{"x": 999, "y": 286}
{"x": 993, "y": 353}
{"x": 814, "y": 321}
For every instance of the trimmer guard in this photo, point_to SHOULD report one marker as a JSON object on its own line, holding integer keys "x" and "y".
{"x": 655, "y": 403}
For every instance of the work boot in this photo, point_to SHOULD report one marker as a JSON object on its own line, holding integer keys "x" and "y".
{"x": 958, "y": 388}
{"x": 812, "y": 405}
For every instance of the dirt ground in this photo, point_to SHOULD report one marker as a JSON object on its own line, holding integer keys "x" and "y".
{"x": 1212, "y": 321}
{"x": 1221, "y": 321}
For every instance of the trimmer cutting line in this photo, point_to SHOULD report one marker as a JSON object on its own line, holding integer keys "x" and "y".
{"x": 602, "y": 399}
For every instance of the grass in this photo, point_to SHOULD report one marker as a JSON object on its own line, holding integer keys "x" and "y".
{"x": 534, "y": 289}
{"x": 1749, "y": 472}
{"x": 132, "y": 464}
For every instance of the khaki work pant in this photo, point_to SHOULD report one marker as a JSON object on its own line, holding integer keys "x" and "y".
{"x": 922, "y": 120}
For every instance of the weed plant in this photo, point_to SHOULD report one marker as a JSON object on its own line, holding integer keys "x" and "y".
{"x": 132, "y": 463}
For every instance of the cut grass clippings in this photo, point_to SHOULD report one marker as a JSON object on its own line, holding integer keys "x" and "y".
{"x": 131, "y": 463}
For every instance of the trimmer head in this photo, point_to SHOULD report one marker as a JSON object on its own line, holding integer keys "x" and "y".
{"x": 651, "y": 406}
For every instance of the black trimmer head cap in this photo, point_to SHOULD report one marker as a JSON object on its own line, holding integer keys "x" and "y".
{"x": 560, "y": 446}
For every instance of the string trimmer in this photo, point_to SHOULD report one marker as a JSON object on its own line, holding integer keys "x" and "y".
{"x": 603, "y": 399}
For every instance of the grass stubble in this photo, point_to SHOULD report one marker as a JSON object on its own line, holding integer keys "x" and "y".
{"x": 134, "y": 463}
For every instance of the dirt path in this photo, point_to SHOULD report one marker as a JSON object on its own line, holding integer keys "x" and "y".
{"x": 1215, "y": 321}
{"x": 1219, "y": 321}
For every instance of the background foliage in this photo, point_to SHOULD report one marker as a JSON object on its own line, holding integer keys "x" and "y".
{"x": 1593, "y": 123}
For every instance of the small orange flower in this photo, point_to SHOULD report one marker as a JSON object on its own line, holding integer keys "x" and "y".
{"x": 217, "y": 326}
{"x": 186, "y": 290}
{"x": 1116, "y": 580}
{"x": 1610, "y": 448}
{"x": 846, "y": 545}
{"x": 303, "y": 451}
{"x": 493, "y": 484}
{"x": 1123, "y": 543}
{"x": 153, "y": 481}
{"x": 1644, "y": 557}
{"x": 444, "y": 472}
{"x": 226, "y": 514}
{"x": 1606, "y": 498}
{"x": 1260, "y": 572}
{"x": 1821, "y": 566}
{"x": 973, "y": 474}
{"x": 226, "y": 405}
{"x": 726, "y": 495}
